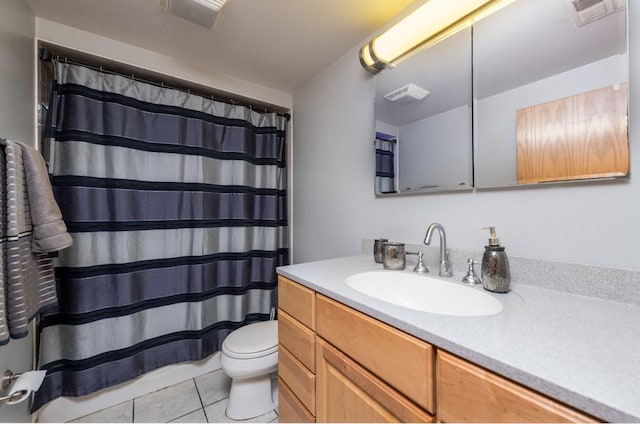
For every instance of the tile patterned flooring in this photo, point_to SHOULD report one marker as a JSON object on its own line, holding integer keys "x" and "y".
{"x": 199, "y": 400}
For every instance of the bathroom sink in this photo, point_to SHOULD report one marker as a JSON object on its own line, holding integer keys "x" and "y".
{"x": 424, "y": 293}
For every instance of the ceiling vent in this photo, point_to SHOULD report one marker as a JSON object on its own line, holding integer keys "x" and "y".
{"x": 407, "y": 94}
{"x": 585, "y": 11}
{"x": 199, "y": 12}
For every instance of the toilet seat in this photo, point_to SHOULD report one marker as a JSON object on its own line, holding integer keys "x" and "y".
{"x": 252, "y": 341}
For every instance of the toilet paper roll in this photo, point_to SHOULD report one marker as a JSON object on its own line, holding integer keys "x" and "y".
{"x": 29, "y": 381}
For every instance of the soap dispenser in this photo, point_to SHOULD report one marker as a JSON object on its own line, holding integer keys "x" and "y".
{"x": 495, "y": 265}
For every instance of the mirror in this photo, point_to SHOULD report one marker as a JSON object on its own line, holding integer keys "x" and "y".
{"x": 424, "y": 145}
{"x": 550, "y": 95}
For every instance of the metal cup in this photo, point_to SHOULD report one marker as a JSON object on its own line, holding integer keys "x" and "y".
{"x": 378, "y": 249}
{"x": 394, "y": 256}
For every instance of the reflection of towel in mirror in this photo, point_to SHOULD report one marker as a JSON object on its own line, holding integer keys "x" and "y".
{"x": 31, "y": 225}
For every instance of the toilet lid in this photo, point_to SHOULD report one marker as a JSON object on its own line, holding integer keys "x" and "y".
{"x": 252, "y": 341}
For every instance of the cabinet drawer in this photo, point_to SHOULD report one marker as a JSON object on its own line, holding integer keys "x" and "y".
{"x": 298, "y": 339}
{"x": 401, "y": 360}
{"x": 290, "y": 410}
{"x": 299, "y": 379}
{"x": 467, "y": 392}
{"x": 298, "y": 301}
{"x": 347, "y": 392}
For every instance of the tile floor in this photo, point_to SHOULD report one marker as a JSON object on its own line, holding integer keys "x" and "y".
{"x": 200, "y": 400}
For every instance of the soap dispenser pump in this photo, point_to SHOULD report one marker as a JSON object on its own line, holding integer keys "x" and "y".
{"x": 495, "y": 265}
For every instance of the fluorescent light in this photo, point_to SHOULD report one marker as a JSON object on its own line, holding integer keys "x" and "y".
{"x": 429, "y": 23}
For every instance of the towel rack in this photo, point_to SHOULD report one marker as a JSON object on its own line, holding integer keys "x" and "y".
{"x": 13, "y": 396}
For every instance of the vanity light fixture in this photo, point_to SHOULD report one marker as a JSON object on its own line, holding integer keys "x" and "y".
{"x": 429, "y": 23}
{"x": 200, "y": 12}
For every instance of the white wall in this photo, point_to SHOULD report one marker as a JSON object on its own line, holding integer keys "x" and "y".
{"x": 17, "y": 122}
{"x": 385, "y": 128}
{"x": 436, "y": 150}
{"x": 17, "y": 94}
{"x": 334, "y": 206}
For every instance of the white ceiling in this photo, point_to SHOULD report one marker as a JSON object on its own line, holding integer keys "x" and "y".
{"x": 276, "y": 43}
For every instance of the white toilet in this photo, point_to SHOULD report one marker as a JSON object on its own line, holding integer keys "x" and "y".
{"x": 250, "y": 358}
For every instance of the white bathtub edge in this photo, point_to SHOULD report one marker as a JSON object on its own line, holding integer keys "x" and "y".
{"x": 66, "y": 409}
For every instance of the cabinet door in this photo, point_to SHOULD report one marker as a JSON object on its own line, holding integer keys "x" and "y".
{"x": 576, "y": 137}
{"x": 468, "y": 393}
{"x": 346, "y": 392}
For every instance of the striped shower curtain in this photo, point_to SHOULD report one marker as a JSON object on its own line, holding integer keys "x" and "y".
{"x": 177, "y": 207}
{"x": 385, "y": 146}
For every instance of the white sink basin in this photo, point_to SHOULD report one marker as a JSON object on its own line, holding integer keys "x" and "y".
{"x": 424, "y": 293}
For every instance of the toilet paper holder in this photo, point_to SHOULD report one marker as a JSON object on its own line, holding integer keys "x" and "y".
{"x": 8, "y": 378}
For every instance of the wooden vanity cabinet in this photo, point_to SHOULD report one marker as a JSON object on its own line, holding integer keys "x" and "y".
{"x": 296, "y": 352}
{"x": 469, "y": 393}
{"x": 336, "y": 364}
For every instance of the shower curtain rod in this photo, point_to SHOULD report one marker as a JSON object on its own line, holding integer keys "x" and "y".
{"x": 48, "y": 56}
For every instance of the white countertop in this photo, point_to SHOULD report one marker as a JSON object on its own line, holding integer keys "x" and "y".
{"x": 580, "y": 350}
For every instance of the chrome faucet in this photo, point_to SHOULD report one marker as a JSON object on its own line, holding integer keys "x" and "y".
{"x": 445, "y": 270}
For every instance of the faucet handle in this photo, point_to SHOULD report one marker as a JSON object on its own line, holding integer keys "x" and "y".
{"x": 420, "y": 266}
{"x": 471, "y": 277}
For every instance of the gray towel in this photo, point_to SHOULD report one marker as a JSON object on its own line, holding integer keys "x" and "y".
{"x": 49, "y": 231}
{"x": 4, "y": 327}
{"x": 26, "y": 274}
